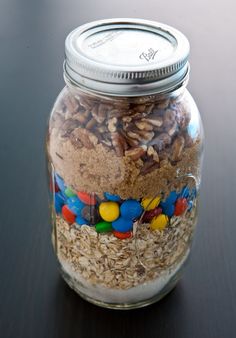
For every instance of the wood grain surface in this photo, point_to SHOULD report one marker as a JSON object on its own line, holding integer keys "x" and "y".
{"x": 34, "y": 301}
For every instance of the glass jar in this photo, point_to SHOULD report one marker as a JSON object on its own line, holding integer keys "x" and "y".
{"x": 124, "y": 155}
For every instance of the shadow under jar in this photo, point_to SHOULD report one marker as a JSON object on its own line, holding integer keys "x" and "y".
{"x": 124, "y": 155}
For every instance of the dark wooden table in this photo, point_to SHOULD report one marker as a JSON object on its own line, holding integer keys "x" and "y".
{"x": 34, "y": 301}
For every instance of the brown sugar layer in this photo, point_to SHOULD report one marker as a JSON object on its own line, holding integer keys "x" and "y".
{"x": 99, "y": 170}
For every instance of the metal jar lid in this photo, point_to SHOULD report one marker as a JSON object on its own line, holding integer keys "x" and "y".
{"x": 126, "y": 57}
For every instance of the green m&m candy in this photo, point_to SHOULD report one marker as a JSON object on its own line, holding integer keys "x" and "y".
{"x": 103, "y": 226}
{"x": 69, "y": 192}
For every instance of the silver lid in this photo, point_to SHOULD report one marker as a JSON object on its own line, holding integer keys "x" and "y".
{"x": 126, "y": 57}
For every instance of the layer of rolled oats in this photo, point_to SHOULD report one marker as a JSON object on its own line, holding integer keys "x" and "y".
{"x": 102, "y": 259}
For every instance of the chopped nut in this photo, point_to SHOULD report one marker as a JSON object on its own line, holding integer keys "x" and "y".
{"x": 121, "y": 104}
{"x": 71, "y": 104}
{"x": 177, "y": 148}
{"x": 107, "y": 143}
{"x": 146, "y": 135}
{"x": 127, "y": 119}
{"x": 156, "y": 157}
{"x": 172, "y": 130}
{"x": 91, "y": 123}
{"x": 98, "y": 114}
{"x": 152, "y": 152}
{"x": 82, "y": 117}
{"x": 182, "y": 118}
{"x": 102, "y": 129}
{"x": 136, "y": 153}
{"x": 188, "y": 140}
{"x": 140, "y": 108}
{"x": 112, "y": 124}
{"x": 133, "y": 135}
{"x": 85, "y": 103}
{"x": 143, "y": 125}
{"x": 161, "y": 141}
{"x": 119, "y": 143}
{"x": 68, "y": 126}
{"x": 116, "y": 113}
{"x": 103, "y": 109}
{"x": 106, "y": 139}
{"x": 148, "y": 167}
{"x": 131, "y": 142}
{"x": 163, "y": 104}
{"x": 169, "y": 118}
{"x": 156, "y": 121}
{"x": 149, "y": 108}
{"x": 88, "y": 139}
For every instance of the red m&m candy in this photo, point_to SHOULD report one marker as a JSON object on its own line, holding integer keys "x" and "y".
{"x": 86, "y": 198}
{"x": 68, "y": 215}
{"x": 180, "y": 206}
{"x": 122, "y": 235}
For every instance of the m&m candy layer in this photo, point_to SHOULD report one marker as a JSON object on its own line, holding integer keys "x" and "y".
{"x": 116, "y": 216}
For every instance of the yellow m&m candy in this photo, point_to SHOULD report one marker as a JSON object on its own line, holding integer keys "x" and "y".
{"x": 109, "y": 211}
{"x": 159, "y": 222}
{"x": 149, "y": 203}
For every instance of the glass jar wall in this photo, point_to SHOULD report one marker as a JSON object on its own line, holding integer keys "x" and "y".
{"x": 125, "y": 174}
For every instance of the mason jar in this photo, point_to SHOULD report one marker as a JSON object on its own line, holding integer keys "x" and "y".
{"x": 124, "y": 149}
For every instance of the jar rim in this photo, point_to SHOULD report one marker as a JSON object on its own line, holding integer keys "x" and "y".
{"x": 152, "y": 90}
{"x": 101, "y": 56}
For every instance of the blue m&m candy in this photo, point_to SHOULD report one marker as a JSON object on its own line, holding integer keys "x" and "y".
{"x": 75, "y": 205}
{"x": 111, "y": 197}
{"x": 57, "y": 207}
{"x": 168, "y": 208}
{"x": 185, "y": 192}
{"x": 58, "y": 203}
{"x": 131, "y": 209}
{"x": 122, "y": 224}
{"x": 81, "y": 221}
{"x": 190, "y": 205}
{"x": 171, "y": 199}
{"x": 193, "y": 193}
{"x": 60, "y": 182}
{"x": 60, "y": 197}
